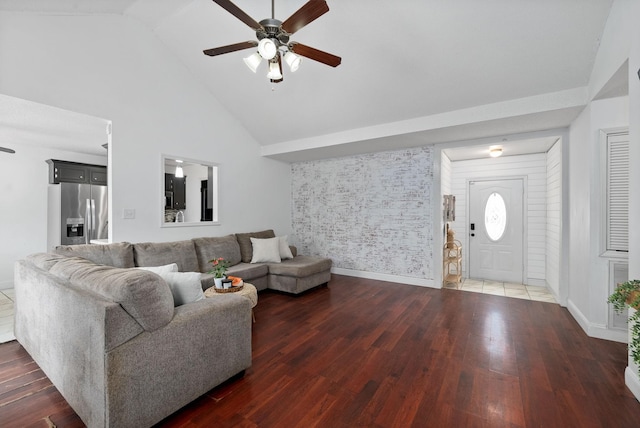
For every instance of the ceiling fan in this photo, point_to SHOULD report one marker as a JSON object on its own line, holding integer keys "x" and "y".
{"x": 273, "y": 39}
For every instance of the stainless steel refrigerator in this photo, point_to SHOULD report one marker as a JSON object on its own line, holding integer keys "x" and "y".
{"x": 84, "y": 213}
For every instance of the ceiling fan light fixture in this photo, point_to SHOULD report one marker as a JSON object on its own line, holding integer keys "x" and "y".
{"x": 292, "y": 60}
{"x": 267, "y": 48}
{"x": 495, "y": 152}
{"x": 253, "y": 61}
{"x": 274, "y": 71}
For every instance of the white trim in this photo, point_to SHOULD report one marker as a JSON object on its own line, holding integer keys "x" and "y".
{"x": 438, "y": 223}
{"x": 598, "y": 331}
{"x": 537, "y": 282}
{"x": 216, "y": 192}
{"x": 632, "y": 381}
{"x": 422, "y": 282}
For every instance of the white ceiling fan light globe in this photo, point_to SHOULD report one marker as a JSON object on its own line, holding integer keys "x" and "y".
{"x": 267, "y": 48}
{"x": 274, "y": 71}
{"x": 292, "y": 60}
{"x": 253, "y": 61}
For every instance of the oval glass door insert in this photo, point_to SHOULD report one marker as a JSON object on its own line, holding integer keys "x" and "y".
{"x": 495, "y": 216}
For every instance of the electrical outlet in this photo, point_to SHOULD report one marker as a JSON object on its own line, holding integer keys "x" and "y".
{"x": 128, "y": 213}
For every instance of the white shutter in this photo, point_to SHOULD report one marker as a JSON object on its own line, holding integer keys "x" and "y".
{"x": 618, "y": 192}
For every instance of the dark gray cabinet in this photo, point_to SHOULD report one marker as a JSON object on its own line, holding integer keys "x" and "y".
{"x": 73, "y": 172}
{"x": 175, "y": 191}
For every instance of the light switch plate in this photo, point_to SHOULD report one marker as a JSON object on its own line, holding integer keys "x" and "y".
{"x": 128, "y": 213}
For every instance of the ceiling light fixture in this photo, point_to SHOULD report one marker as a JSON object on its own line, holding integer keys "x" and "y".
{"x": 273, "y": 39}
{"x": 292, "y": 60}
{"x": 179, "y": 171}
{"x": 253, "y": 61}
{"x": 267, "y": 49}
{"x": 495, "y": 152}
{"x": 274, "y": 71}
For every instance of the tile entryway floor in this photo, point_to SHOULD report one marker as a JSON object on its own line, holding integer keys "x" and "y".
{"x": 6, "y": 315}
{"x": 518, "y": 291}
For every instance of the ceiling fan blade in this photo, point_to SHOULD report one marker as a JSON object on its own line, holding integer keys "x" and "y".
{"x": 238, "y": 13}
{"x": 315, "y": 54}
{"x": 311, "y": 11}
{"x": 231, "y": 48}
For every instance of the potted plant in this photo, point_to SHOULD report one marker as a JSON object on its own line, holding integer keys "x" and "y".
{"x": 220, "y": 266}
{"x": 627, "y": 294}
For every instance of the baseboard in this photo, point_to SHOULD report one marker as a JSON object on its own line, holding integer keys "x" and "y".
{"x": 6, "y": 285}
{"x": 632, "y": 381}
{"x": 598, "y": 331}
{"x": 385, "y": 277}
{"x": 536, "y": 282}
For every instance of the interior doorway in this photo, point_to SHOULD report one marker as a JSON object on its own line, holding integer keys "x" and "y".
{"x": 496, "y": 230}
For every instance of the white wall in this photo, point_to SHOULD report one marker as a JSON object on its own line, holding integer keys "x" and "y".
{"x": 445, "y": 168}
{"x": 371, "y": 214}
{"x": 620, "y": 43}
{"x": 533, "y": 167}
{"x": 23, "y": 217}
{"x": 632, "y": 376}
{"x": 112, "y": 67}
{"x": 588, "y": 270}
{"x": 554, "y": 218}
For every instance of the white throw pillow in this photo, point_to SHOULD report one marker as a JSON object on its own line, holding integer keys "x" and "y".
{"x": 185, "y": 286}
{"x": 266, "y": 250}
{"x": 285, "y": 251}
{"x": 173, "y": 267}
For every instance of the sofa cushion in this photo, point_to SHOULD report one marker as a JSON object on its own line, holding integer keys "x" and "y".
{"x": 144, "y": 295}
{"x": 119, "y": 254}
{"x": 265, "y": 250}
{"x": 159, "y": 270}
{"x": 185, "y": 286}
{"x": 248, "y": 271}
{"x": 210, "y": 248}
{"x": 285, "y": 249}
{"x": 244, "y": 240}
{"x": 183, "y": 253}
{"x": 300, "y": 266}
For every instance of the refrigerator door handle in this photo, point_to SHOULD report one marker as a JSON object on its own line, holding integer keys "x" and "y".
{"x": 94, "y": 231}
{"x": 87, "y": 221}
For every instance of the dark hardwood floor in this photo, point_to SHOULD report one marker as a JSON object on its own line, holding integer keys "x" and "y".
{"x": 375, "y": 354}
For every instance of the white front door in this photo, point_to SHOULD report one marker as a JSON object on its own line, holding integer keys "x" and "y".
{"x": 496, "y": 230}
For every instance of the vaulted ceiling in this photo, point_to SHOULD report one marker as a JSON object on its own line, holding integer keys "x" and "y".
{"x": 413, "y": 72}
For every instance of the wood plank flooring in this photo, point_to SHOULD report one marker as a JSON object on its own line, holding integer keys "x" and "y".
{"x": 364, "y": 353}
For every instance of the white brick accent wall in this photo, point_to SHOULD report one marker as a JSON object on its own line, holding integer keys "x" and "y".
{"x": 369, "y": 213}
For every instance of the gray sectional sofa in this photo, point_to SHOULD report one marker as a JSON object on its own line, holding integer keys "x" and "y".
{"x": 111, "y": 338}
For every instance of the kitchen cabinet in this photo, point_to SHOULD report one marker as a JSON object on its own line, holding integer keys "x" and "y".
{"x": 175, "y": 189}
{"x": 73, "y": 172}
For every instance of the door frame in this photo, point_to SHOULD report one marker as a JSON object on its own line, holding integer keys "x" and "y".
{"x": 525, "y": 221}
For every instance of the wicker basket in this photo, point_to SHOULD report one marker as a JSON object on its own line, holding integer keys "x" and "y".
{"x": 229, "y": 290}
